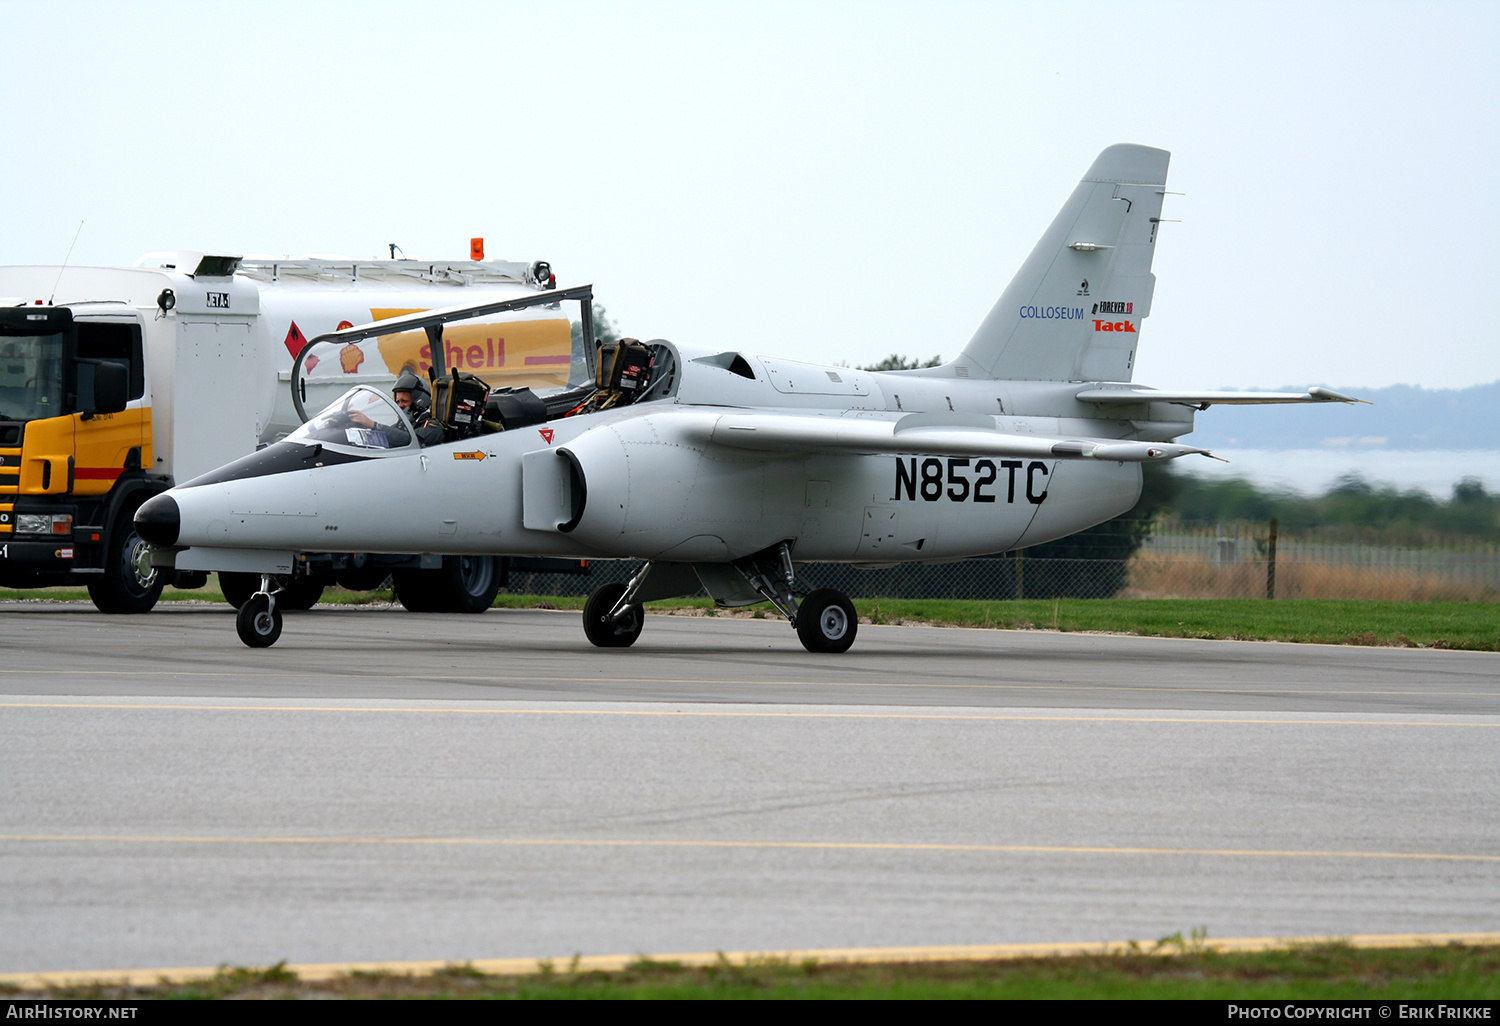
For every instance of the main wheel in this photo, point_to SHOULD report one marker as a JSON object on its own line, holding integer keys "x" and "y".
{"x": 607, "y": 633}
{"x": 258, "y": 621}
{"x": 130, "y": 584}
{"x": 826, "y": 621}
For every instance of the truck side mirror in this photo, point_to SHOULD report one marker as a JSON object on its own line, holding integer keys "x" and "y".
{"x": 111, "y": 386}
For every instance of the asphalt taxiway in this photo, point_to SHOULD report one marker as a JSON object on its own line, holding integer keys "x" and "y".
{"x": 387, "y": 786}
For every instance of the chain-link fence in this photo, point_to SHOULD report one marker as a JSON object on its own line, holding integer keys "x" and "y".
{"x": 1236, "y": 561}
{"x": 1180, "y": 561}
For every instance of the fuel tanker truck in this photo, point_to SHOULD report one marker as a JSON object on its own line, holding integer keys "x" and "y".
{"x": 117, "y": 383}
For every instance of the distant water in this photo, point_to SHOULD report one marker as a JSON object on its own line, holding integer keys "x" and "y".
{"x": 1313, "y": 471}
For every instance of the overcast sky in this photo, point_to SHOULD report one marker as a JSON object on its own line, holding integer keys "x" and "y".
{"x": 818, "y": 180}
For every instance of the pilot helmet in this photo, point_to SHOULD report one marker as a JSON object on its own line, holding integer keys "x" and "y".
{"x": 410, "y": 382}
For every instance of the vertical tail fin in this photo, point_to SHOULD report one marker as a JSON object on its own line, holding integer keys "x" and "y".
{"x": 1074, "y": 310}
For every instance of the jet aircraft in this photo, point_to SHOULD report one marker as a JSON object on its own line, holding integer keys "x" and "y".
{"x": 726, "y": 470}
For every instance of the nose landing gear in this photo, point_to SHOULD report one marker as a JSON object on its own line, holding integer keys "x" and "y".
{"x": 258, "y": 622}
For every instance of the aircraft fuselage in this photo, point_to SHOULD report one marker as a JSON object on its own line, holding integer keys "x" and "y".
{"x": 658, "y": 487}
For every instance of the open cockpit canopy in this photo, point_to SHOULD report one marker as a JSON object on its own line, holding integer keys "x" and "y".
{"x": 526, "y": 354}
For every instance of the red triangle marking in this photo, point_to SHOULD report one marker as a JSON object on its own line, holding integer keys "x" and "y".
{"x": 295, "y": 340}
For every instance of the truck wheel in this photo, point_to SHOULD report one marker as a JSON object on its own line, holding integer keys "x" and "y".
{"x": 416, "y": 590}
{"x": 302, "y": 593}
{"x": 470, "y": 583}
{"x": 130, "y": 584}
{"x": 238, "y": 588}
{"x": 826, "y": 621}
{"x": 362, "y": 578}
{"x": 605, "y": 633}
{"x": 258, "y": 623}
{"x": 464, "y": 584}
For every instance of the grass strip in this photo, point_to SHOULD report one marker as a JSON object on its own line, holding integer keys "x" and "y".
{"x": 1465, "y": 625}
{"x": 1169, "y": 970}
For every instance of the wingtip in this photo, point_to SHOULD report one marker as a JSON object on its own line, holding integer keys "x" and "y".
{"x": 1330, "y": 395}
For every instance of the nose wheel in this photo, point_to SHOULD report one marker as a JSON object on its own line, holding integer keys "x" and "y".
{"x": 258, "y": 622}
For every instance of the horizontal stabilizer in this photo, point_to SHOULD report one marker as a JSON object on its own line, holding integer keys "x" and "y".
{"x": 1116, "y": 394}
{"x": 831, "y": 435}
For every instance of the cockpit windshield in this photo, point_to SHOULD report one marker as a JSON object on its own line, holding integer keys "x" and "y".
{"x": 361, "y": 417}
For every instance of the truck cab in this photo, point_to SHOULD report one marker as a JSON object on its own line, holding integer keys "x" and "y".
{"x": 75, "y": 451}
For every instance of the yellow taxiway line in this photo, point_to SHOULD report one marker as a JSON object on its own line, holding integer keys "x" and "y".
{"x": 691, "y": 843}
{"x": 789, "y": 714}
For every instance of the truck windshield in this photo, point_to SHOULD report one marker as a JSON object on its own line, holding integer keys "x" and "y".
{"x": 31, "y": 377}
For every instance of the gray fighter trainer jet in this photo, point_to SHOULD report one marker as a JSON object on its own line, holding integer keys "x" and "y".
{"x": 725, "y": 470}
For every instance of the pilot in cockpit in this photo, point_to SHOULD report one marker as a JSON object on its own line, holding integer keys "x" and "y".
{"x": 410, "y": 393}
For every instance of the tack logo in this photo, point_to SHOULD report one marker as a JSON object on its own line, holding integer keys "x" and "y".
{"x": 1114, "y": 326}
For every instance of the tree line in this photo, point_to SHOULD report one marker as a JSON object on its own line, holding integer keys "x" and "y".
{"x": 1354, "y": 507}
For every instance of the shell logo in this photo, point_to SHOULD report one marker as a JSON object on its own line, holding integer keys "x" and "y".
{"x": 350, "y": 357}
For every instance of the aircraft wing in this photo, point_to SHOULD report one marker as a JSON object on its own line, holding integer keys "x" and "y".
{"x": 920, "y": 433}
{"x": 1110, "y": 394}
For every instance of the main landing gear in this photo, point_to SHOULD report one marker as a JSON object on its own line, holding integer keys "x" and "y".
{"x": 825, "y": 620}
{"x": 609, "y": 622}
{"x": 258, "y": 622}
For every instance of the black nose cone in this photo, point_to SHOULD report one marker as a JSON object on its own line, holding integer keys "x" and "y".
{"x": 158, "y": 521}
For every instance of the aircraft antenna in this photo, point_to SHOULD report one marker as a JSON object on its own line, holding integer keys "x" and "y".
{"x": 64, "y": 266}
